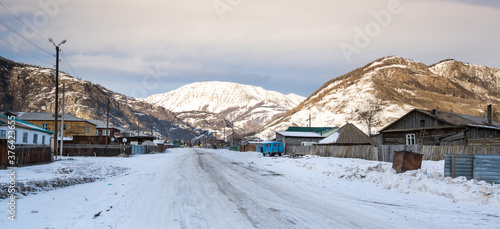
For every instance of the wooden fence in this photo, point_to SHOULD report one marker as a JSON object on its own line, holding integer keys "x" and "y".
{"x": 366, "y": 152}
{"x": 386, "y": 152}
{"x": 24, "y": 155}
{"x": 95, "y": 150}
{"x": 247, "y": 148}
{"x": 77, "y": 150}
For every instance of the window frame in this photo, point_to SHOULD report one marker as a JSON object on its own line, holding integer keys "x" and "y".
{"x": 411, "y": 139}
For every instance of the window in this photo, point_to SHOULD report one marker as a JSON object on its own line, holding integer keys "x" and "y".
{"x": 422, "y": 123}
{"x": 35, "y": 138}
{"x": 45, "y": 126}
{"x": 410, "y": 139}
{"x": 43, "y": 139}
{"x": 3, "y": 134}
{"x": 64, "y": 127}
{"x": 25, "y": 137}
{"x": 96, "y": 132}
{"x": 88, "y": 129}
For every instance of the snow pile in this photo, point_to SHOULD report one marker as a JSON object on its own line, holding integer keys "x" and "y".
{"x": 429, "y": 179}
{"x": 59, "y": 174}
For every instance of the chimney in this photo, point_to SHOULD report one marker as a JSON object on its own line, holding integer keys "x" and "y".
{"x": 489, "y": 115}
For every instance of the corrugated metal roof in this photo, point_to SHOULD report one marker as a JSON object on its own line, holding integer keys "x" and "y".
{"x": 309, "y": 129}
{"x": 42, "y": 116}
{"x": 450, "y": 118}
{"x": 24, "y": 124}
{"x": 299, "y": 134}
{"x": 102, "y": 125}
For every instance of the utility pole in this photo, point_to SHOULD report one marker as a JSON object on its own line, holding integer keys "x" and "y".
{"x": 107, "y": 124}
{"x": 138, "y": 121}
{"x": 62, "y": 121}
{"x": 57, "y": 94}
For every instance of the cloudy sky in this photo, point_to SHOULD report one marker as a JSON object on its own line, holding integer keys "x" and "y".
{"x": 140, "y": 48}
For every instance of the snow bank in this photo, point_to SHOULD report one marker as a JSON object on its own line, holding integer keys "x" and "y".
{"x": 429, "y": 179}
{"x": 62, "y": 173}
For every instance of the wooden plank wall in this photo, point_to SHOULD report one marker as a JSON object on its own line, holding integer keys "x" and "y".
{"x": 95, "y": 150}
{"x": 32, "y": 155}
{"x": 3, "y": 153}
{"x": 386, "y": 152}
{"x": 366, "y": 152}
{"x": 25, "y": 155}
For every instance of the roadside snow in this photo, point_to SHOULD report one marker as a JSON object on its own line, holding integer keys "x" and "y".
{"x": 322, "y": 171}
{"x": 65, "y": 172}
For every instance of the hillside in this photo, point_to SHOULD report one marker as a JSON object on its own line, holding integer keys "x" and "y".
{"x": 248, "y": 107}
{"x": 401, "y": 85}
{"x": 30, "y": 88}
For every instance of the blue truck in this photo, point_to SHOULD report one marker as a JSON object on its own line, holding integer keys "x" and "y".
{"x": 272, "y": 148}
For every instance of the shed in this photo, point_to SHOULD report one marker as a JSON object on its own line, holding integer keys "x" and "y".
{"x": 349, "y": 134}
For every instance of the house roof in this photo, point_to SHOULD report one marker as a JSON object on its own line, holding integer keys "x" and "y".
{"x": 43, "y": 116}
{"x": 451, "y": 118}
{"x": 24, "y": 124}
{"x": 309, "y": 129}
{"x": 102, "y": 125}
{"x": 299, "y": 134}
{"x": 348, "y": 134}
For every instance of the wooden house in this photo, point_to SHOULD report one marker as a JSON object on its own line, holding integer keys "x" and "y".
{"x": 101, "y": 129}
{"x": 347, "y": 135}
{"x": 294, "y": 138}
{"x": 433, "y": 127}
{"x": 72, "y": 124}
{"x": 22, "y": 132}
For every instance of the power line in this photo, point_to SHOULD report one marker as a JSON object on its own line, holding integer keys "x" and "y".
{"x": 23, "y": 22}
{"x": 14, "y": 31}
{"x": 25, "y": 52}
{"x": 68, "y": 64}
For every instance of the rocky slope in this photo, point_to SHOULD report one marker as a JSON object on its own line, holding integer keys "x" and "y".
{"x": 401, "y": 85}
{"x": 213, "y": 105}
{"x": 30, "y": 88}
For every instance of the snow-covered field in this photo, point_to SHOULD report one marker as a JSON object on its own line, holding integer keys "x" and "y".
{"x": 198, "y": 188}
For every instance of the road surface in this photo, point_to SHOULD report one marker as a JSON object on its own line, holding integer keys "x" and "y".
{"x": 192, "y": 188}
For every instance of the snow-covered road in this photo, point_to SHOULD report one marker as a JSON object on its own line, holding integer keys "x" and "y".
{"x": 195, "y": 188}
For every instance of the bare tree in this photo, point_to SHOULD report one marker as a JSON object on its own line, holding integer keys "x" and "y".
{"x": 368, "y": 112}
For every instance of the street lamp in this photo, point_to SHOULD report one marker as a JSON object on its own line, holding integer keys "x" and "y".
{"x": 57, "y": 92}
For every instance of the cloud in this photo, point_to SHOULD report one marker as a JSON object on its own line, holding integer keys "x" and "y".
{"x": 294, "y": 44}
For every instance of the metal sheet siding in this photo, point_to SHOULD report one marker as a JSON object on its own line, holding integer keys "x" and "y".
{"x": 463, "y": 165}
{"x": 487, "y": 168}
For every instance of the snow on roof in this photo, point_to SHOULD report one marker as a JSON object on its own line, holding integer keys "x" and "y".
{"x": 484, "y": 126}
{"x": 25, "y": 124}
{"x": 330, "y": 139}
{"x": 299, "y": 134}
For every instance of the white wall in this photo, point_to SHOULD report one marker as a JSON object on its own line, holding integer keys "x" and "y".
{"x": 31, "y": 133}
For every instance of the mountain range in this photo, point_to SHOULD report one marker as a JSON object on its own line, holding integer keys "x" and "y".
{"x": 400, "y": 85}
{"x": 218, "y": 108}
{"x": 31, "y": 89}
{"x": 217, "y": 105}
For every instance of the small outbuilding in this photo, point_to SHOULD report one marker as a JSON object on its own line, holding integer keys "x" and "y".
{"x": 349, "y": 134}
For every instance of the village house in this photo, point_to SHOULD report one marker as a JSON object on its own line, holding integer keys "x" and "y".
{"x": 72, "y": 124}
{"x": 101, "y": 129}
{"x": 294, "y": 136}
{"x": 433, "y": 127}
{"x": 22, "y": 132}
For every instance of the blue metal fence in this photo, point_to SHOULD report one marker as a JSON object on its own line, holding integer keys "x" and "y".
{"x": 479, "y": 167}
{"x": 487, "y": 168}
{"x": 137, "y": 149}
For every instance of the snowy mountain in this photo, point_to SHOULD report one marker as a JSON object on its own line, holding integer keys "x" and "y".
{"x": 248, "y": 107}
{"x": 401, "y": 85}
{"x": 31, "y": 89}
